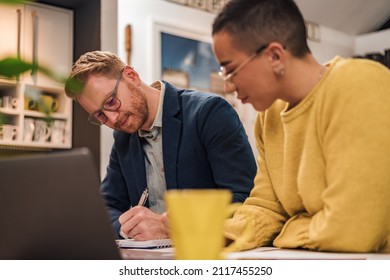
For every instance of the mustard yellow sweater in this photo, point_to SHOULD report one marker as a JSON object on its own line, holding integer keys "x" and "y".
{"x": 323, "y": 180}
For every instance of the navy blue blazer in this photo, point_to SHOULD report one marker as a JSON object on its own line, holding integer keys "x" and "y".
{"x": 204, "y": 146}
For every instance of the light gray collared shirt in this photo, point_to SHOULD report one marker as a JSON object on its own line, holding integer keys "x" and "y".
{"x": 152, "y": 145}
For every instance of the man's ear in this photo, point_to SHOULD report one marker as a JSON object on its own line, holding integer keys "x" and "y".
{"x": 131, "y": 75}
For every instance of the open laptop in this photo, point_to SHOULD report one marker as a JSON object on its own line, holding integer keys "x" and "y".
{"x": 51, "y": 208}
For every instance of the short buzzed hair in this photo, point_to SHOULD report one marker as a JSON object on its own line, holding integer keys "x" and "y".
{"x": 92, "y": 63}
{"x": 252, "y": 23}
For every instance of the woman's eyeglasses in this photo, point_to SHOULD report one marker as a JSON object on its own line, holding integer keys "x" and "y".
{"x": 227, "y": 76}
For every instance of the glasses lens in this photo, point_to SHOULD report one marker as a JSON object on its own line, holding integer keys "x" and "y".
{"x": 98, "y": 118}
{"x": 112, "y": 104}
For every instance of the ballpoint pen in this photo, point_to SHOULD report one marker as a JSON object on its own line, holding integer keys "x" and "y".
{"x": 144, "y": 197}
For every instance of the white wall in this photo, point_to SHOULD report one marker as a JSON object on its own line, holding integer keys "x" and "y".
{"x": 144, "y": 15}
{"x": 372, "y": 42}
{"x": 331, "y": 43}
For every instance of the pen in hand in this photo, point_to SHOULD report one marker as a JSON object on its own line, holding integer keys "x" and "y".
{"x": 141, "y": 202}
{"x": 144, "y": 197}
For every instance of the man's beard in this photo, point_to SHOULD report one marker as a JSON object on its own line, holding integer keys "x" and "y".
{"x": 139, "y": 114}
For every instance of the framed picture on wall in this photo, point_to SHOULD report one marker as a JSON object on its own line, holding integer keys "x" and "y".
{"x": 185, "y": 58}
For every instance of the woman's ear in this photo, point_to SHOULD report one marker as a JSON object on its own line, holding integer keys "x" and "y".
{"x": 277, "y": 55}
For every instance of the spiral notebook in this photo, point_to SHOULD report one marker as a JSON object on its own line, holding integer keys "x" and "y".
{"x": 148, "y": 244}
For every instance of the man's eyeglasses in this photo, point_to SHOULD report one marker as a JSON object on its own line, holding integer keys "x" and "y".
{"x": 227, "y": 76}
{"x": 112, "y": 103}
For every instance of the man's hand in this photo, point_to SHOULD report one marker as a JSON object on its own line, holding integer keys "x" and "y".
{"x": 141, "y": 223}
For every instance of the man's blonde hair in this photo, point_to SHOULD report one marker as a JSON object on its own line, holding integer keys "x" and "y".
{"x": 102, "y": 63}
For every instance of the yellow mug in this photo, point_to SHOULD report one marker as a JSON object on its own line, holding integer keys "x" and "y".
{"x": 48, "y": 103}
{"x": 196, "y": 219}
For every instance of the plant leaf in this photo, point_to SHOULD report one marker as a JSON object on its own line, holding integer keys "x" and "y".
{"x": 15, "y": 1}
{"x": 12, "y": 67}
{"x": 73, "y": 85}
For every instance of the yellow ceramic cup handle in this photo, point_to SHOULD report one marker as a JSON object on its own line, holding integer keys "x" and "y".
{"x": 55, "y": 105}
{"x": 32, "y": 104}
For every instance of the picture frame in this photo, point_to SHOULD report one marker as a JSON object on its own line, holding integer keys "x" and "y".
{"x": 184, "y": 57}
{"x": 212, "y": 6}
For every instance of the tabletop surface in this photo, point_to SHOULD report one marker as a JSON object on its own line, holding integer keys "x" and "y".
{"x": 269, "y": 253}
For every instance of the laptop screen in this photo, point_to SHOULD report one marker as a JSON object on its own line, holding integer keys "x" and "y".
{"x": 51, "y": 208}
